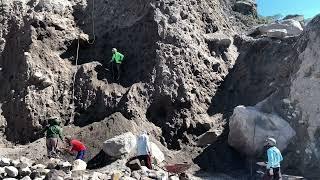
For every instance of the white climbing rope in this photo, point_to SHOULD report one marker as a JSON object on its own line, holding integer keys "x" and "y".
{"x": 74, "y": 79}
{"x": 77, "y": 58}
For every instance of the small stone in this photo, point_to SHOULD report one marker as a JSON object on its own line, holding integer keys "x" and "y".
{"x": 25, "y": 171}
{"x": 11, "y": 171}
{"x": 4, "y": 162}
{"x": 79, "y": 165}
{"x": 136, "y": 175}
{"x": 134, "y": 165}
{"x": 116, "y": 175}
{"x": 173, "y": 178}
{"x": 15, "y": 163}
{"x": 26, "y": 178}
{"x": 98, "y": 176}
{"x": 127, "y": 178}
{"x": 53, "y": 163}
{"x": 38, "y": 166}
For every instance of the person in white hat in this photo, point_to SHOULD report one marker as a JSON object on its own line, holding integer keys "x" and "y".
{"x": 274, "y": 159}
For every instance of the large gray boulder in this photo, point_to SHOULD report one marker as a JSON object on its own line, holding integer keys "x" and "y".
{"x": 120, "y": 145}
{"x": 292, "y": 27}
{"x": 249, "y": 128}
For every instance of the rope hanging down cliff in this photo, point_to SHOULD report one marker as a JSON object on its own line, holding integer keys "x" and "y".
{"x": 77, "y": 58}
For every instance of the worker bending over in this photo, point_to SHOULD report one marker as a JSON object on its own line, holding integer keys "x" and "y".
{"x": 117, "y": 58}
{"x": 76, "y": 146}
{"x": 274, "y": 159}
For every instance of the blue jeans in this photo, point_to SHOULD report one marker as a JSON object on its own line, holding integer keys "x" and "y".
{"x": 81, "y": 154}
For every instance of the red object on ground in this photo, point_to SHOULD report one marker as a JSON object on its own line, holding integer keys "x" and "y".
{"x": 177, "y": 168}
{"x": 77, "y": 146}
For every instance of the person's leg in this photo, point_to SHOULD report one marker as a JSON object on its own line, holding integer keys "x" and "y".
{"x": 81, "y": 154}
{"x": 148, "y": 161}
{"x": 267, "y": 176}
{"x": 48, "y": 147}
{"x": 118, "y": 71}
{"x": 277, "y": 174}
{"x": 54, "y": 145}
{"x": 141, "y": 159}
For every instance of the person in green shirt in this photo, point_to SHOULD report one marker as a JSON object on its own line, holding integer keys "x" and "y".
{"x": 53, "y": 133}
{"x": 117, "y": 58}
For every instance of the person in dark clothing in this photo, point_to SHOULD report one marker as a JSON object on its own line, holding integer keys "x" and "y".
{"x": 53, "y": 133}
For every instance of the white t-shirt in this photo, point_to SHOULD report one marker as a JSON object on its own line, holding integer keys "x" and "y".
{"x": 143, "y": 145}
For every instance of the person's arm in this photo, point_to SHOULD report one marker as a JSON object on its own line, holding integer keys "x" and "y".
{"x": 69, "y": 150}
{"x": 149, "y": 146}
{"x": 121, "y": 56}
{"x": 61, "y": 134}
{"x": 270, "y": 159}
{"x": 113, "y": 57}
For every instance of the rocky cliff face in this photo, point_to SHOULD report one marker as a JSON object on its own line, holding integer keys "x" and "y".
{"x": 187, "y": 66}
{"x": 177, "y": 53}
{"x": 280, "y": 79}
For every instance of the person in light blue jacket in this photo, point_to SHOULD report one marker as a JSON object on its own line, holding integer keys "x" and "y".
{"x": 274, "y": 159}
{"x": 144, "y": 149}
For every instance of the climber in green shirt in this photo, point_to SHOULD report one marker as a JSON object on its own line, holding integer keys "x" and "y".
{"x": 117, "y": 58}
{"x": 53, "y": 133}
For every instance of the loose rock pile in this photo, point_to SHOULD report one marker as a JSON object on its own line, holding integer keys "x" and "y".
{"x": 56, "y": 169}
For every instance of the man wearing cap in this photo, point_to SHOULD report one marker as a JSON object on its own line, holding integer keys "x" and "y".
{"x": 53, "y": 133}
{"x": 274, "y": 159}
{"x": 117, "y": 58}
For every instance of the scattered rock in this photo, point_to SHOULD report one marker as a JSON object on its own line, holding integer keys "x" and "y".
{"x": 11, "y": 171}
{"x": 4, "y": 162}
{"x": 116, "y": 175}
{"x": 55, "y": 175}
{"x": 24, "y": 171}
{"x": 98, "y": 176}
{"x": 53, "y": 163}
{"x": 79, "y": 165}
{"x": 26, "y": 178}
{"x": 134, "y": 165}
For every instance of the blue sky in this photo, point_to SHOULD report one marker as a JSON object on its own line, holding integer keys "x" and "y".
{"x": 309, "y": 8}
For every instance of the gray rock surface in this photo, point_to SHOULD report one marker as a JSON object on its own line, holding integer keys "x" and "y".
{"x": 246, "y": 7}
{"x": 122, "y": 145}
{"x": 11, "y": 171}
{"x": 249, "y": 128}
